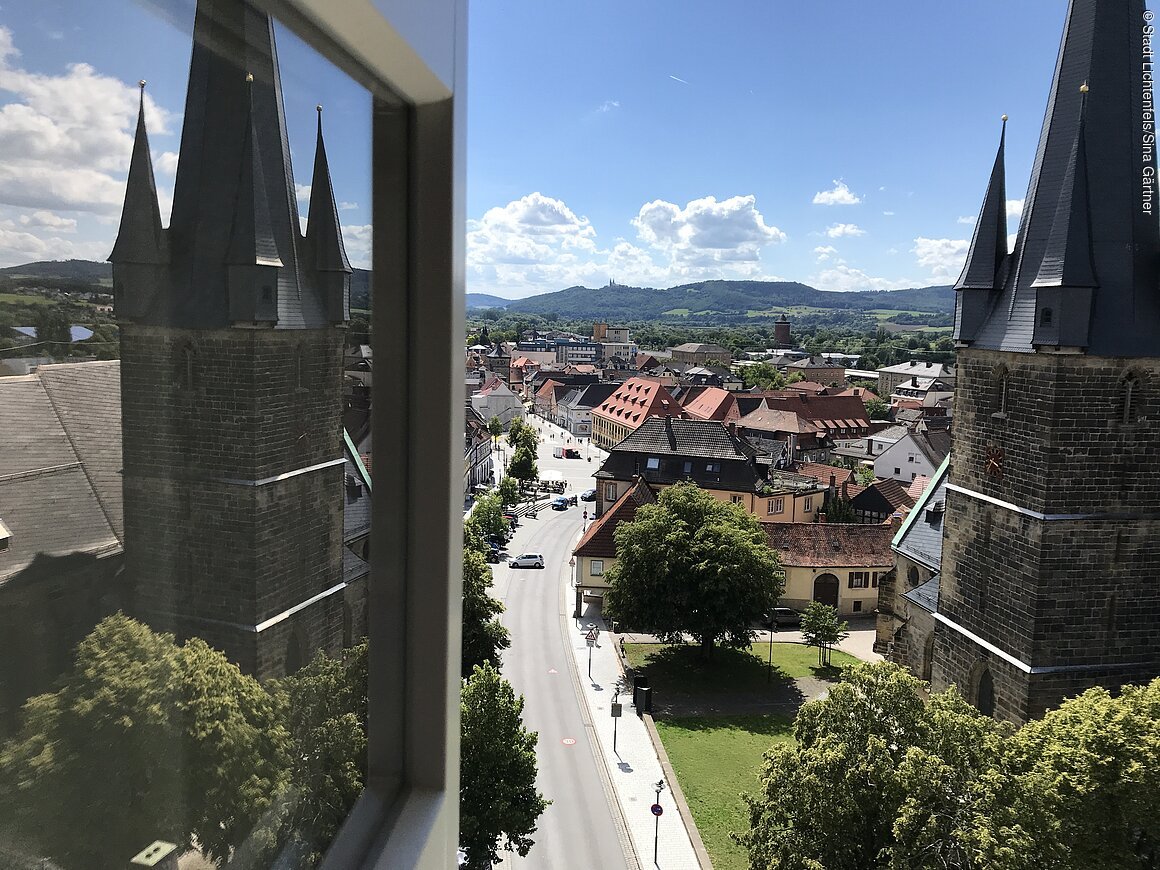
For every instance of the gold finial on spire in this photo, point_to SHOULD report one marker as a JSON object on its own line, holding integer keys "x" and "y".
{"x": 1004, "y": 119}
{"x": 319, "y": 108}
{"x": 141, "y": 84}
{"x": 249, "y": 77}
{"x": 1083, "y": 89}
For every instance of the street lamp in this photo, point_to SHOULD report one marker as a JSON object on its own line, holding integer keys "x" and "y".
{"x": 658, "y": 788}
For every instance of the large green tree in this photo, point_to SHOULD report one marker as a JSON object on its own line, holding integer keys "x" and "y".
{"x": 487, "y": 517}
{"x": 509, "y": 491}
{"x": 143, "y": 740}
{"x": 523, "y": 465}
{"x": 878, "y": 778}
{"x": 822, "y": 628}
{"x": 498, "y": 802}
{"x": 690, "y": 564}
{"x": 484, "y": 637}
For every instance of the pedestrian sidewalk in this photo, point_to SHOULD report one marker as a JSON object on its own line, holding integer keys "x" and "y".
{"x": 633, "y": 767}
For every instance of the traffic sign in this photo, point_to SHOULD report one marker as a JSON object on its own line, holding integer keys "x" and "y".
{"x": 592, "y": 635}
{"x": 658, "y": 810}
{"x": 591, "y": 641}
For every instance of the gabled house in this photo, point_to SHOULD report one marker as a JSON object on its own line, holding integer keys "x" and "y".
{"x": 837, "y": 416}
{"x": 819, "y": 370}
{"x": 784, "y": 433}
{"x": 496, "y": 399}
{"x": 916, "y": 453}
{"x": 574, "y": 411}
{"x": 633, "y": 402}
{"x": 698, "y": 354}
{"x": 889, "y": 377}
{"x": 712, "y": 403}
{"x": 879, "y": 501}
{"x": 839, "y": 565}
{"x": 595, "y": 554}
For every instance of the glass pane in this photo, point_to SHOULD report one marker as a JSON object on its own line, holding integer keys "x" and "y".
{"x": 184, "y": 413}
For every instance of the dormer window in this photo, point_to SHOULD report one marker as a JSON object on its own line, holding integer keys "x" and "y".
{"x": 653, "y": 463}
{"x": 1045, "y": 317}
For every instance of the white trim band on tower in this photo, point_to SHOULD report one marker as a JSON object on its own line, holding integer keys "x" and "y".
{"x": 273, "y": 620}
{"x": 286, "y": 476}
{"x": 1048, "y": 518}
{"x": 1033, "y": 669}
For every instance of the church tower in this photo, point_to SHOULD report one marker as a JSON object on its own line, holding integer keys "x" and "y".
{"x": 1051, "y": 562}
{"x": 231, "y": 366}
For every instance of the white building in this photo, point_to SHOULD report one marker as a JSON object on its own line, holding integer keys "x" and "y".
{"x": 915, "y": 454}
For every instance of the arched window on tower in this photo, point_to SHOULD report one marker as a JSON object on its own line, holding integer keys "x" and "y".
{"x": 187, "y": 373}
{"x": 1002, "y": 387}
{"x": 985, "y": 695}
{"x": 1131, "y": 404}
{"x": 299, "y": 368}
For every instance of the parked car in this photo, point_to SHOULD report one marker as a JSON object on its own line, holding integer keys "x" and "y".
{"x": 560, "y": 503}
{"x": 588, "y": 495}
{"x": 571, "y": 453}
{"x": 527, "y": 560}
{"x": 784, "y": 617}
{"x": 512, "y": 517}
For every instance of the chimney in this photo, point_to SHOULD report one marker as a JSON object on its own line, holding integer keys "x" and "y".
{"x": 914, "y": 380}
{"x": 895, "y": 520}
{"x": 732, "y": 429}
{"x": 846, "y": 489}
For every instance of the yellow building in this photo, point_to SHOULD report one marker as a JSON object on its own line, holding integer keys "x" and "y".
{"x": 595, "y": 554}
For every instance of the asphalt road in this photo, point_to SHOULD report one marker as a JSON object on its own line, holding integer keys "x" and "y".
{"x": 577, "y": 830}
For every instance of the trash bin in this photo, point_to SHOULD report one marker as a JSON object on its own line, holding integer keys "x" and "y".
{"x": 639, "y": 684}
{"x": 642, "y": 698}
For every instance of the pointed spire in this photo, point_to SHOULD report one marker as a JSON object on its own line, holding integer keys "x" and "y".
{"x": 1067, "y": 261}
{"x": 251, "y": 235}
{"x": 323, "y": 231}
{"x": 989, "y": 245}
{"x": 140, "y": 238}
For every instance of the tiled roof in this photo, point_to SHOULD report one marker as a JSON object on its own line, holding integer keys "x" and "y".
{"x": 935, "y": 446}
{"x": 713, "y": 403}
{"x": 831, "y": 545}
{"x": 861, "y": 392}
{"x": 699, "y": 450}
{"x": 599, "y": 541}
{"x": 697, "y": 347}
{"x": 353, "y": 567}
{"x": 672, "y": 436}
{"x": 808, "y": 387}
{"x": 821, "y": 473}
{"x": 917, "y": 487}
{"x": 637, "y": 399}
{"x": 893, "y": 491}
{"x": 926, "y": 595}
{"x": 818, "y": 409}
{"x": 769, "y": 420}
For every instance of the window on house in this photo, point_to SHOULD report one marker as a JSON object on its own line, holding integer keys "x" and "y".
{"x": 713, "y": 467}
{"x": 1045, "y": 317}
{"x": 610, "y": 492}
{"x": 736, "y": 499}
{"x": 1131, "y": 399}
{"x": 776, "y": 506}
{"x": 857, "y": 606}
{"x": 910, "y": 458}
{"x": 688, "y": 468}
{"x": 874, "y": 579}
{"x": 596, "y": 568}
{"x": 808, "y": 504}
{"x": 859, "y": 579}
{"x": 653, "y": 463}
{"x": 897, "y": 471}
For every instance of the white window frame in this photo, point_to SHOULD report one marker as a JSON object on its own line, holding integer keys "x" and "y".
{"x": 859, "y": 580}
{"x": 596, "y": 568}
{"x": 610, "y": 491}
{"x": 736, "y": 499}
{"x": 652, "y": 463}
{"x": 776, "y": 505}
{"x": 414, "y": 63}
{"x": 808, "y": 504}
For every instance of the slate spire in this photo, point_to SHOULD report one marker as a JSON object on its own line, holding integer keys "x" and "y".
{"x": 1103, "y": 46}
{"x": 989, "y": 245}
{"x": 252, "y": 239}
{"x": 323, "y": 233}
{"x": 140, "y": 238}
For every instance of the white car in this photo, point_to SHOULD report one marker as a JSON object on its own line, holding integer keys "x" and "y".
{"x": 527, "y": 560}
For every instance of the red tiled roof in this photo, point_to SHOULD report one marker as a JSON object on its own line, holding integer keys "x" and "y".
{"x": 639, "y": 398}
{"x": 599, "y": 540}
{"x": 821, "y": 473}
{"x": 713, "y": 403}
{"x": 769, "y": 420}
{"x": 894, "y": 492}
{"x": 831, "y": 545}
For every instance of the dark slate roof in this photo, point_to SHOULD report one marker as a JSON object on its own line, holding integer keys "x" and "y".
{"x": 599, "y": 541}
{"x": 926, "y": 595}
{"x": 590, "y": 395}
{"x": 989, "y": 244}
{"x": 675, "y": 442}
{"x": 224, "y": 175}
{"x": 920, "y": 538}
{"x": 140, "y": 238}
{"x": 323, "y": 231}
{"x": 356, "y": 502}
{"x": 47, "y": 500}
{"x": 1102, "y": 46}
{"x": 935, "y": 446}
{"x": 831, "y": 545}
{"x": 353, "y": 567}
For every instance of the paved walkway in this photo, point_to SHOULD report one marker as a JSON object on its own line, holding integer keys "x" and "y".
{"x": 633, "y": 767}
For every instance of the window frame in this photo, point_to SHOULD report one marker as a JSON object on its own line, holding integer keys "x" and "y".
{"x": 414, "y": 65}
{"x": 859, "y": 580}
{"x": 595, "y": 567}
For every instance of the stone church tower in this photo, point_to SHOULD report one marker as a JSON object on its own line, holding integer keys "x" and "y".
{"x": 231, "y": 342}
{"x": 1051, "y": 562}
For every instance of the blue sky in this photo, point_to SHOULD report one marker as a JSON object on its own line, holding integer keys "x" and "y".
{"x": 844, "y": 144}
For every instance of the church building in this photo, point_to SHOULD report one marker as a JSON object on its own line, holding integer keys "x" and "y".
{"x": 1050, "y": 572}
{"x": 232, "y": 325}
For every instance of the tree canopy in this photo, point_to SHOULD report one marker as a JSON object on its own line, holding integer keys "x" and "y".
{"x": 692, "y": 564}
{"x": 484, "y": 637}
{"x": 880, "y": 778}
{"x": 523, "y": 465}
{"x": 822, "y": 628}
{"x": 498, "y": 802}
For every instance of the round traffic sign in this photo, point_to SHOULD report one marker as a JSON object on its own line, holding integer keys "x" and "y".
{"x": 569, "y": 741}
{"x": 657, "y": 810}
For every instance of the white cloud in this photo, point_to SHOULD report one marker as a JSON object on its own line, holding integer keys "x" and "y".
{"x": 67, "y": 138}
{"x": 888, "y": 214}
{"x": 537, "y": 244}
{"x": 1014, "y": 208}
{"x": 47, "y": 219}
{"x": 967, "y": 220}
{"x": 840, "y": 195}
{"x": 166, "y": 163}
{"x": 825, "y": 252}
{"x": 1011, "y": 237}
{"x": 347, "y": 206}
{"x": 302, "y": 192}
{"x": 847, "y": 278}
{"x": 356, "y": 239}
{"x": 609, "y": 105}
{"x": 943, "y": 257}
{"x": 837, "y": 231}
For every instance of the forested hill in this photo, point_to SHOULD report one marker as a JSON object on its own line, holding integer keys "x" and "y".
{"x": 726, "y": 301}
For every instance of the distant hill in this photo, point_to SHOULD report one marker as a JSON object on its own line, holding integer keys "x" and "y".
{"x": 727, "y": 302}
{"x": 486, "y": 300}
{"x": 55, "y": 272}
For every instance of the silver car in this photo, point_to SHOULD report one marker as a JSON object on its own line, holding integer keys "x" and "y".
{"x": 527, "y": 560}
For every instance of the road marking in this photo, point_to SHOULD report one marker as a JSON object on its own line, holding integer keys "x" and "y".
{"x": 569, "y": 741}
{"x": 553, "y": 671}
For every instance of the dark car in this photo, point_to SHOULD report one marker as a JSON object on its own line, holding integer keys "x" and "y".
{"x": 588, "y": 495}
{"x": 784, "y": 617}
{"x": 560, "y": 503}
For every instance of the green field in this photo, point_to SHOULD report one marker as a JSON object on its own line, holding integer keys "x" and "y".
{"x": 21, "y": 299}
{"x": 676, "y": 312}
{"x": 679, "y": 669}
{"x": 716, "y": 759}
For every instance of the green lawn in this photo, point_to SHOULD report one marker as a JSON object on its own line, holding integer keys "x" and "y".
{"x": 21, "y": 299}
{"x": 716, "y": 759}
{"x": 680, "y": 671}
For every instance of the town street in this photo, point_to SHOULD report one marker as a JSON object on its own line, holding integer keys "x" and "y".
{"x": 579, "y": 827}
